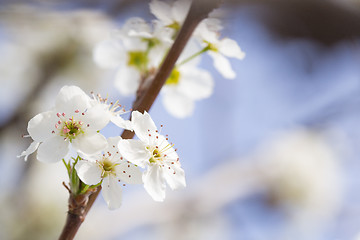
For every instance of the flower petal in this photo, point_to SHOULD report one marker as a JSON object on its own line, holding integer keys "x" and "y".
{"x": 41, "y": 126}
{"x": 174, "y": 176}
{"x": 90, "y": 143}
{"x": 127, "y": 80}
{"x": 222, "y": 64}
{"x": 32, "y": 148}
{"x": 230, "y": 48}
{"x": 142, "y": 124}
{"x": 177, "y": 104}
{"x": 108, "y": 54}
{"x": 161, "y": 11}
{"x": 97, "y": 117}
{"x": 120, "y": 122}
{"x": 89, "y": 172}
{"x": 112, "y": 192}
{"x": 70, "y": 99}
{"x": 180, "y": 9}
{"x": 154, "y": 182}
{"x": 195, "y": 83}
{"x": 129, "y": 173}
{"x": 134, "y": 151}
{"x": 53, "y": 150}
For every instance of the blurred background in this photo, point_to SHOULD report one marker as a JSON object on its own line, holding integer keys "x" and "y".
{"x": 273, "y": 154}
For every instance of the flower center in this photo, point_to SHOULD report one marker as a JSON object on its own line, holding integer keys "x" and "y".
{"x": 108, "y": 167}
{"x": 211, "y": 47}
{"x": 174, "y": 78}
{"x": 156, "y": 155}
{"x": 138, "y": 59}
{"x": 69, "y": 129}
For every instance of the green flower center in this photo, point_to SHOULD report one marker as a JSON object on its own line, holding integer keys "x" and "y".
{"x": 174, "y": 78}
{"x": 107, "y": 166}
{"x": 138, "y": 60}
{"x": 174, "y": 25}
{"x": 156, "y": 155}
{"x": 71, "y": 129}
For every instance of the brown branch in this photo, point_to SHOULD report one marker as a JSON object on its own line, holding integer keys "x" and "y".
{"x": 79, "y": 207}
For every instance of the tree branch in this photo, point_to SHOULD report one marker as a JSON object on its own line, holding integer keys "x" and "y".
{"x": 79, "y": 207}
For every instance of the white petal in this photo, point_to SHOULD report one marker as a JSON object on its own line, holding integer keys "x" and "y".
{"x": 88, "y": 172}
{"x": 127, "y": 80}
{"x": 162, "y": 11}
{"x": 41, "y": 126}
{"x": 230, "y": 48}
{"x": 174, "y": 176}
{"x": 70, "y": 99}
{"x": 120, "y": 122}
{"x": 113, "y": 148}
{"x": 134, "y": 151}
{"x": 97, "y": 117}
{"x": 136, "y": 27}
{"x": 154, "y": 182}
{"x": 177, "y": 104}
{"x": 142, "y": 124}
{"x": 196, "y": 83}
{"x": 180, "y": 10}
{"x": 90, "y": 143}
{"x": 222, "y": 64}
{"x": 109, "y": 54}
{"x": 32, "y": 148}
{"x": 53, "y": 150}
{"x": 129, "y": 173}
{"x": 111, "y": 192}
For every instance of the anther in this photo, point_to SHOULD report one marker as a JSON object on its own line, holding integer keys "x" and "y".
{"x": 77, "y": 111}
{"x": 58, "y": 114}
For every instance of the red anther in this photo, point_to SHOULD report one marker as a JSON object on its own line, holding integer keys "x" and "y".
{"x": 63, "y": 114}
{"x": 172, "y": 162}
{"x": 124, "y": 172}
{"x": 83, "y": 114}
{"x": 161, "y": 125}
{"x": 113, "y": 146}
{"x": 59, "y": 122}
{"x": 175, "y": 149}
{"x": 53, "y": 132}
{"x": 149, "y": 135}
{"x": 88, "y": 125}
{"x": 129, "y": 176}
{"x": 128, "y": 165}
{"x": 58, "y": 114}
{"x": 167, "y": 138}
{"x": 77, "y": 111}
{"x": 56, "y": 126}
{"x": 157, "y": 137}
{"x": 121, "y": 158}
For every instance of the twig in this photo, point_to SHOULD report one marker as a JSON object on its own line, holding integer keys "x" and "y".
{"x": 79, "y": 207}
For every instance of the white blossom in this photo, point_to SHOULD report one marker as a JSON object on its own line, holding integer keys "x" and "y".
{"x": 73, "y": 121}
{"x": 153, "y": 152}
{"x": 218, "y": 49}
{"x": 109, "y": 168}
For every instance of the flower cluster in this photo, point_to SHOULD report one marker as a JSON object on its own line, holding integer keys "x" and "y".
{"x": 138, "y": 49}
{"x": 75, "y": 123}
